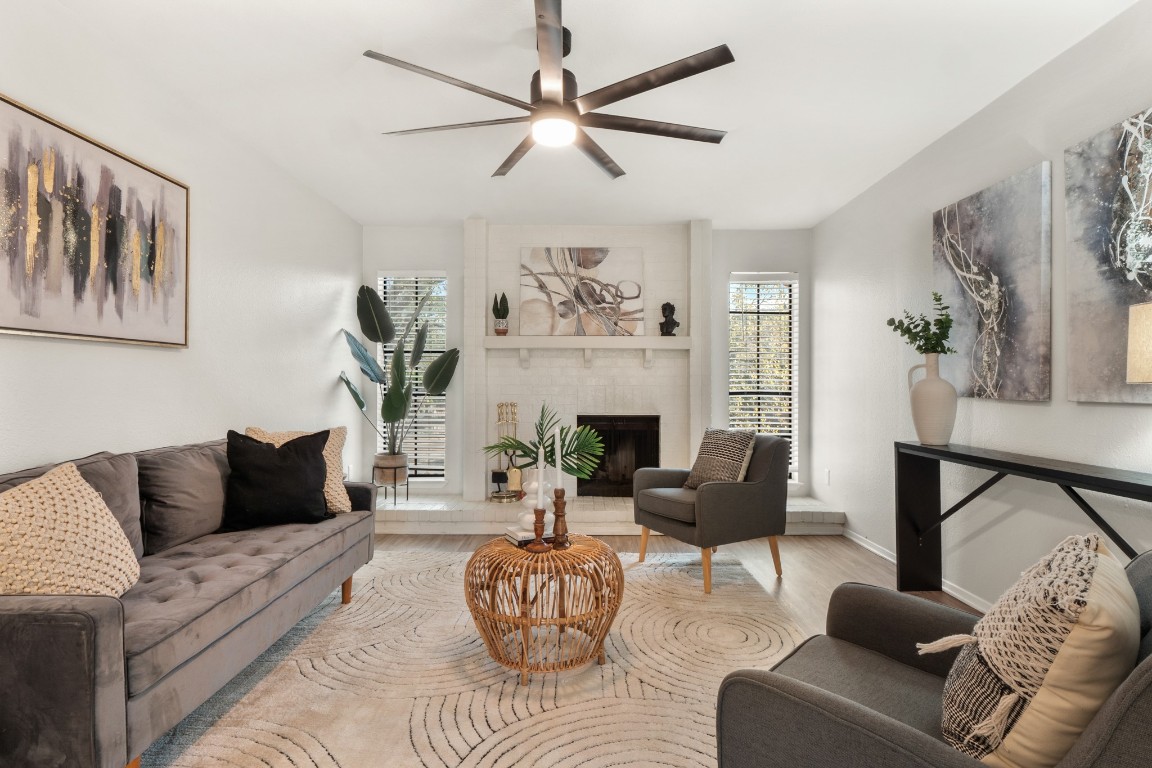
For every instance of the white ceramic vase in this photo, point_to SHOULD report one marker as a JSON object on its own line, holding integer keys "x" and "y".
{"x": 933, "y": 403}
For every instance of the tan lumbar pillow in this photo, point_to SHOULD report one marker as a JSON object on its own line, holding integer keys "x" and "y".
{"x": 335, "y": 494}
{"x": 58, "y": 537}
{"x": 1043, "y": 660}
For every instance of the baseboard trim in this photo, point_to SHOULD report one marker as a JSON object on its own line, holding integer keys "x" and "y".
{"x": 949, "y": 587}
{"x": 868, "y": 544}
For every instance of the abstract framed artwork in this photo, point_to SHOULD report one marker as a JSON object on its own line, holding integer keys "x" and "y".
{"x": 1108, "y": 206}
{"x": 93, "y": 245}
{"x": 581, "y": 292}
{"x": 992, "y": 261}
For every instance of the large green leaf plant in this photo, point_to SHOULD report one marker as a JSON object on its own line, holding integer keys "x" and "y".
{"x": 582, "y": 446}
{"x": 398, "y": 401}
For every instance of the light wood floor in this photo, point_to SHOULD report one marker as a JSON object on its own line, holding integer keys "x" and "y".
{"x": 813, "y": 566}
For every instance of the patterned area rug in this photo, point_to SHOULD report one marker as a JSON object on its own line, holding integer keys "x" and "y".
{"x": 401, "y": 678}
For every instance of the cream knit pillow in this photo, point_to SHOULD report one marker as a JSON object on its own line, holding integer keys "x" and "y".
{"x": 58, "y": 537}
{"x": 334, "y": 491}
{"x": 1043, "y": 660}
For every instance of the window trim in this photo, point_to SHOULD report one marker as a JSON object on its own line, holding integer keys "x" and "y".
{"x": 797, "y": 468}
{"x": 415, "y": 474}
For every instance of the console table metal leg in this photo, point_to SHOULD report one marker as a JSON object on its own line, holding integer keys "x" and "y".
{"x": 918, "y": 557}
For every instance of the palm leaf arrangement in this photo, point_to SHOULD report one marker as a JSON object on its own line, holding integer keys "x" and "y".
{"x": 582, "y": 446}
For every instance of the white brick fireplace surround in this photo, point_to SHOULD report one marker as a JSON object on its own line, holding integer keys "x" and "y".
{"x": 602, "y": 375}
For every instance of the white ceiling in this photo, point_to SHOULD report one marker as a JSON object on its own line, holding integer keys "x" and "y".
{"x": 825, "y": 96}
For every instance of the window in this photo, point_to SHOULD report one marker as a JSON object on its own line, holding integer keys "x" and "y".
{"x": 764, "y": 356}
{"x": 427, "y": 440}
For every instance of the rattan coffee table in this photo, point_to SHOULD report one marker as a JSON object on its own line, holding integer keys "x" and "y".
{"x": 544, "y": 612}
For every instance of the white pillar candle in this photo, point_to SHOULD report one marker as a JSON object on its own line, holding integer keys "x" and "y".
{"x": 559, "y": 461}
{"x": 540, "y": 477}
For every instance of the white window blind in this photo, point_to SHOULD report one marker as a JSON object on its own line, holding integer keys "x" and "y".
{"x": 427, "y": 440}
{"x": 763, "y": 356}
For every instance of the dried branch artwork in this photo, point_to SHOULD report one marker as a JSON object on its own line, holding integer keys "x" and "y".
{"x": 1108, "y": 200}
{"x": 581, "y": 292}
{"x": 992, "y": 260}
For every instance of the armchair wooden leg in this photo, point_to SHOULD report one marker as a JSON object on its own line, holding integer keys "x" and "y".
{"x": 134, "y": 764}
{"x": 706, "y": 557}
{"x": 643, "y": 542}
{"x": 346, "y": 590}
{"x": 775, "y": 555}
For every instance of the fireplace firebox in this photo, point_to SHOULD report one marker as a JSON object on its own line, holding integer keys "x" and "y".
{"x": 630, "y": 442}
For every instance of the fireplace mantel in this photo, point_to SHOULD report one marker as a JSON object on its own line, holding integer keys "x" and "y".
{"x": 525, "y": 344}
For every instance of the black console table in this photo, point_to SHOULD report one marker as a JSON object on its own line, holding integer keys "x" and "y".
{"x": 918, "y": 515}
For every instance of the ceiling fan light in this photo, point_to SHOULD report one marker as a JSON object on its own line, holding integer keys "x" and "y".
{"x": 553, "y": 131}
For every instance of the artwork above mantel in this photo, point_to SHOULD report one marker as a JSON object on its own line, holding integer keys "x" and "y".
{"x": 648, "y": 344}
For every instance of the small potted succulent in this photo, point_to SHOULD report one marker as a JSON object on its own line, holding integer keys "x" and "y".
{"x": 500, "y": 313}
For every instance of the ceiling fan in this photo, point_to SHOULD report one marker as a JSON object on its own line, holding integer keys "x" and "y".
{"x": 558, "y": 116}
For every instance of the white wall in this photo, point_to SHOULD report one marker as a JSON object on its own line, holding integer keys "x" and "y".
{"x": 873, "y": 259}
{"x": 744, "y": 250}
{"x": 273, "y": 273}
{"x": 400, "y": 250}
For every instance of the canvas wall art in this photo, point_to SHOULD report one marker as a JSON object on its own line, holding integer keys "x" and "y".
{"x": 992, "y": 261}
{"x": 1108, "y": 201}
{"x": 581, "y": 292}
{"x": 93, "y": 244}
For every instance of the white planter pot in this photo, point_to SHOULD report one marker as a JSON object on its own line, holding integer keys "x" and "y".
{"x": 933, "y": 403}
{"x": 527, "y": 518}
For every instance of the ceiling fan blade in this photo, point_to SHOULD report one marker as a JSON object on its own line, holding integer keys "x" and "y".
{"x": 550, "y": 43}
{"x": 597, "y": 155}
{"x": 654, "y": 78}
{"x": 514, "y": 158}
{"x": 653, "y": 127}
{"x": 448, "y": 79}
{"x": 454, "y": 126}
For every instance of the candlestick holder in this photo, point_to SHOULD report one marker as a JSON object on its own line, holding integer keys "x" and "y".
{"x": 538, "y": 545}
{"x": 560, "y": 527}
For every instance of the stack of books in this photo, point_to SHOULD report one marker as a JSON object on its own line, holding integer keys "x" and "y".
{"x": 520, "y": 537}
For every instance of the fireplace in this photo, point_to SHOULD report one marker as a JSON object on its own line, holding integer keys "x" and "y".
{"x": 630, "y": 442}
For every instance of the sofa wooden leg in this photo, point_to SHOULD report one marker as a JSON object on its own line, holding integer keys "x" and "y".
{"x": 775, "y": 555}
{"x": 346, "y": 590}
{"x": 134, "y": 764}
{"x": 706, "y": 557}
{"x": 643, "y": 542}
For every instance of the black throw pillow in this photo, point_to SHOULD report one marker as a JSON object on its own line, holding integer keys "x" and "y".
{"x": 273, "y": 486}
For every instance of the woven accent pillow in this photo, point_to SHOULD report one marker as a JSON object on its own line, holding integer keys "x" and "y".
{"x": 1043, "y": 660}
{"x": 723, "y": 457}
{"x": 58, "y": 537}
{"x": 334, "y": 491}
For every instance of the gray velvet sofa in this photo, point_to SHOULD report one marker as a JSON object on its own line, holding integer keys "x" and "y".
{"x": 91, "y": 681}
{"x": 860, "y": 696}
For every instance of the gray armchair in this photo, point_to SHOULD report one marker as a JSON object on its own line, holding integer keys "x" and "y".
{"x": 717, "y": 513}
{"x": 861, "y": 696}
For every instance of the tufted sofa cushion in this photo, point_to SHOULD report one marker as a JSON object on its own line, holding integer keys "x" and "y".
{"x": 194, "y": 593}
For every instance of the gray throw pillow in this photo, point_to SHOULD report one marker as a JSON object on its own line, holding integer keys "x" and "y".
{"x": 183, "y": 492}
{"x": 113, "y": 475}
{"x": 723, "y": 457}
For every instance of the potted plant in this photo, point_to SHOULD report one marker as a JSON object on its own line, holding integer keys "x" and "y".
{"x": 933, "y": 398}
{"x": 398, "y": 401}
{"x": 500, "y": 313}
{"x": 581, "y": 448}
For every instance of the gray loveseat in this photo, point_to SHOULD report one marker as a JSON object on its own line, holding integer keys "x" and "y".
{"x": 91, "y": 681}
{"x": 860, "y": 696}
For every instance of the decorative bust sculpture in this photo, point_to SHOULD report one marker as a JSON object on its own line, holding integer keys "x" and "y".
{"x": 670, "y": 324}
